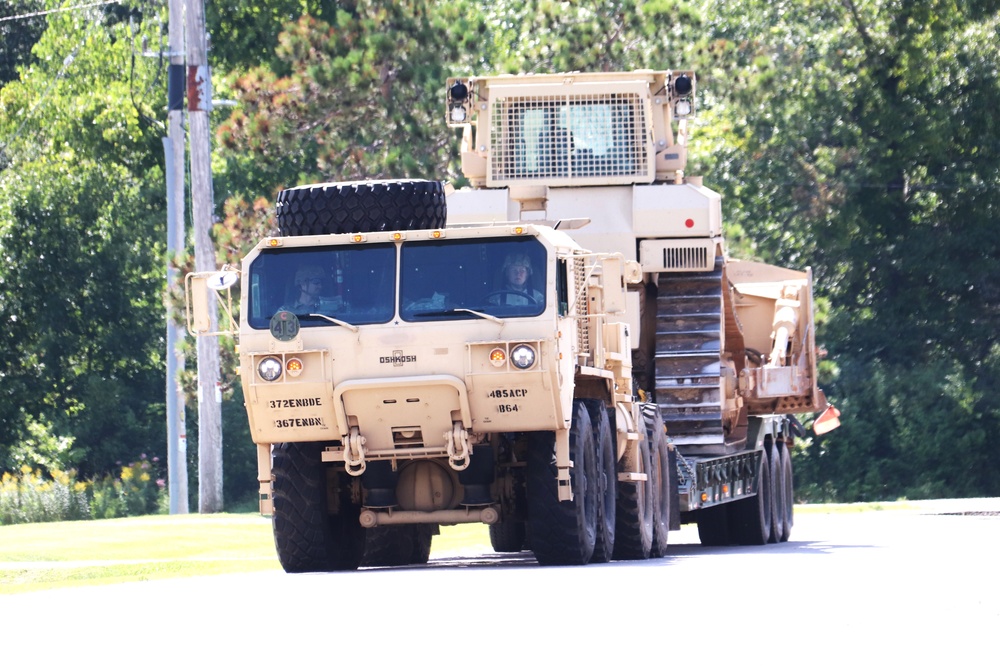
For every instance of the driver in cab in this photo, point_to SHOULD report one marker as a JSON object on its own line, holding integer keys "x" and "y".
{"x": 517, "y": 290}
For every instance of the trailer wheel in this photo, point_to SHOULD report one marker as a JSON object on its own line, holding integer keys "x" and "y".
{"x": 778, "y": 501}
{"x": 713, "y": 526}
{"x": 563, "y": 533}
{"x": 361, "y": 207}
{"x": 788, "y": 519}
{"x": 751, "y": 517}
{"x": 507, "y": 536}
{"x": 306, "y": 537}
{"x": 606, "y": 481}
{"x": 660, "y": 475}
{"x": 634, "y": 526}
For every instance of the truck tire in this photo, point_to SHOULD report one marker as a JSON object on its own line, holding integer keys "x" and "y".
{"x": 788, "y": 519}
{"x": 306, "y": 537}
{"x": 751, "y": 517}
{"x": 606, "y": 481}
{"x": 361, "y": 207}
{"x": 393, "y": 546}
{"x": 777, "y": 495}
{"x": 423, "y": 538}
{"x": 563, "y": 533}
{"x": 713, "y": 526}
{"x": 634, "y": 521}
{"x": 507, "y": 536}
{"x": 659, "y": 454}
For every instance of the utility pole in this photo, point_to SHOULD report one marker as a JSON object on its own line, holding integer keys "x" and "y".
{"x": 173, "y": 146}
{"x": 199, "y": 91}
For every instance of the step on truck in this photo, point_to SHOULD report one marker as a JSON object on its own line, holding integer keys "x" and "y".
{"x": 561, "y": 349}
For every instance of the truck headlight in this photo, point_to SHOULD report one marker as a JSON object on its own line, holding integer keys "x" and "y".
{"x": 269, "y": 369}
{"x": 522, "y": 356}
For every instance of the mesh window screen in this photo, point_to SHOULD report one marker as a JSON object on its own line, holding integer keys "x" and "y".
{"x": 574, "y": 136}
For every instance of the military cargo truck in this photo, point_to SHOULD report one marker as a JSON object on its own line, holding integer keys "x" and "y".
{"x": 561, "y": 350}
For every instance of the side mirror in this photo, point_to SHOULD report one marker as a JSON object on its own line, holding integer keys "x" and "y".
{"x": 202, "y": 292}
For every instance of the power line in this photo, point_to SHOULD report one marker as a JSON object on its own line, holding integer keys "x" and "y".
{"x": 61, "y": 9}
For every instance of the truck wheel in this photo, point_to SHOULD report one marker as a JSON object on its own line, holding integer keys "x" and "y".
{"x": 634, "y": 522}
{"x": 713, "y": 526}
{"x": 306, "y": 536}
{"x": 507, "y": 536}
{"x": 751, "y": 517}
{"x": 361, "y": 206}
{"x": 563, "y": 533}
{"x": 788, "y": 519}
{"x": 423, "y": 537}
{"x": 660, "y": 458}
{"x": 777, "y": 495}
{"x": 606, "y": 481}
{"x": 392, "y": 546}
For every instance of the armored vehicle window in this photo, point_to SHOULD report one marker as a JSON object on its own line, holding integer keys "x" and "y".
{"x": 575, "y": 136}
{"x": 354, "y": 284}
{"x": 444, "y": 280}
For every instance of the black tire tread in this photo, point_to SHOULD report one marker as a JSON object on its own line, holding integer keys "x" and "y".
{"x": 361, "y": 207}
{"x": 306, "y": 537}
{"x": 562, "y": 533}
{"x": 634, "y": 521}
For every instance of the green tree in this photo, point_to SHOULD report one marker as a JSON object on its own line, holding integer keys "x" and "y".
{"x": 81, "y": 231}
{"x": 860, "y": 138}
{"x": 18, "y": 35}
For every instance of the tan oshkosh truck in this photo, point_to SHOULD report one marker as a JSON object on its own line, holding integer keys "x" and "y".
{"x": 562, "y": 350}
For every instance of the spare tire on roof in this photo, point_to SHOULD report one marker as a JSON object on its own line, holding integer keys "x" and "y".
{"x": 361, "y": 207}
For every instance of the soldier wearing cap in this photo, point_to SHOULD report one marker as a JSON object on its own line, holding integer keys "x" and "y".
{"x": 517, "y": 290}
{"x": 309, "y": 281}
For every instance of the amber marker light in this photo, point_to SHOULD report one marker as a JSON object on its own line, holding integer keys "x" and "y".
{"x": 397, "y": 237}
{"x": 274, "y": 243}
{"x": 498, "y": 357}
{"x": 436, "y": 234}
{"x": 358, "y": 238}
{"x": 519, "y": 230}
{"x": 294, "y": 367}
{"x": 704, "y": 497}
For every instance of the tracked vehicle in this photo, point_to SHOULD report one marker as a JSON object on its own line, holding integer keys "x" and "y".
{"x": 561, "y": 350}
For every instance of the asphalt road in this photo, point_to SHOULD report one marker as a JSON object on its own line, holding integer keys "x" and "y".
{"x": 915, "y": 587}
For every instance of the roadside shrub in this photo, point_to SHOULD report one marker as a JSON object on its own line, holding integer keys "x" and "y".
{"x": 34, "y": 497}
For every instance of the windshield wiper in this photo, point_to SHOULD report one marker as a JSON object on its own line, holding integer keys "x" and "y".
{"x": 452, "y": 311}
{"x": 346, "y": 325}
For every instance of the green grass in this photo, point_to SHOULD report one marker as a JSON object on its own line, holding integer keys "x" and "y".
{"x": 38, "y": 556}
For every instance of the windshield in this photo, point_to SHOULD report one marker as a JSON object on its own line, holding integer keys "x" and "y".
{"x": 448, "y": 279}
{"x": 353, "y": 284}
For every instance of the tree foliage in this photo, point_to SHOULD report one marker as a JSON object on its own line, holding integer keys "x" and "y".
{"x": 858, "y": 137}
{"x": 80, "y": 234}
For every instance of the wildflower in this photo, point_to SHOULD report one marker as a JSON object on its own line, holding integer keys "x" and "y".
{"x": 161, "y": 483}
{"x": 144, "y": 477}
{"x": 126, "y": 474}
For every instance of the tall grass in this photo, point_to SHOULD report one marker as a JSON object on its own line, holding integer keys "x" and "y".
{"x": 36, "y": 497}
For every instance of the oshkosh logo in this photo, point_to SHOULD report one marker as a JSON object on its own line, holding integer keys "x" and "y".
{"x": 398, "y": 358}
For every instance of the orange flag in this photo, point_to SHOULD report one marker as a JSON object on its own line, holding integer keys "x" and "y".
{"x": 827, "y": 421}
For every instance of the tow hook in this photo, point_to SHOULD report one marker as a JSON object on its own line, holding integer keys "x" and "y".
{"x": 458, "y": 446}
{"x": 354, "y": 453}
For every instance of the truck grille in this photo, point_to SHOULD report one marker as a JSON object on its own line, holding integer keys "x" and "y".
{"x": 572, "y": 137}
